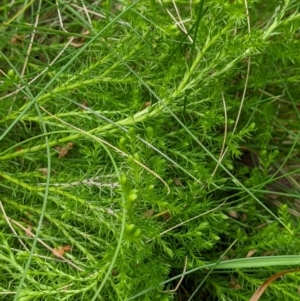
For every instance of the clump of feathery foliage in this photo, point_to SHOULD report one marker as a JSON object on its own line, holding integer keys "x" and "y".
{"x": 124, "y": 130}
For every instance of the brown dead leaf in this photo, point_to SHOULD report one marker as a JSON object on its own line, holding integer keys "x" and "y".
{"x": 70, "y": 145}
{"x": 256, "y": 296}
{"x": 17, "y": 39}
{"x": 148, "y": 213}
{"x": 59, "y": 252}
{"x": 78, "y": 42}
{"x": 64, "y": 150}
{"x": 76, "y": 45}
{"x": 166, "y": 216}
{"x": 237, "y": 286}
{"x": 250, "y": 253}
{"x": 233, "y": 214}
{"x": 244, "y": 216}
{"x": 28, "y": 232}
{"x": 13, "y": 41}
{"x": 114, "y": 272}
{"x": 44, "y": 171}
{"x": 67, "y": 248}
{"x": 234, "y": 285}
{"x": 188, "y": 55}
{"x": 177, "y": 182}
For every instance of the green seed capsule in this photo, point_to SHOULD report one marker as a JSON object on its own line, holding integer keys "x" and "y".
{"x": 123, "y": 179}
{"x": 129, "y": 228}
{"x": 263, "y": 153}
{"x": 137, "y": 157}
{"x": 132, "y": 197}
{"x": 130, "y": 159}
{"x": 11, "y": 73}
{"x": 252, "y": 126}
{"x": 131, "y": 133}
{"x": 137, "y": 234}
{"x": 122, "y": 142}
{"x": 149, "y": 132}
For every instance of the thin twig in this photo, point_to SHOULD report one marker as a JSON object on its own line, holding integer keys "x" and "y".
{"x": 30, "y": 43}
{"x": 11, "y": 227}
{"x": 182, "y": 27}
{"x": 222, "y": 153}
{"x": 179, "y": 17}
{"x": 86, "y": 12}
{"x": 60, "y": 18}
{"x": 247, "y": 74}
{"x": 179, "y": 282}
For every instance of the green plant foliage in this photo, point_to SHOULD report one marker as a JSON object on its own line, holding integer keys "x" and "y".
{"x": 123, "y": 128}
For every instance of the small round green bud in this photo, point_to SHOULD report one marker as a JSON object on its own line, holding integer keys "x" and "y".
{"x": 130, "y": 159}
{"x": 123, "y": 179}
{"x": 129, "y": 228}
{"x": 11, "y": 73}
{"x": 122, "y": 142}
{"x": 131, "y": 132}
{"x": 137, "y": 234}
{"x": 132, "y": 197}
{"x": 276, "y": 153}
{"x": 137, "y": 157}
{"x": 252, "y": 126}
{"x": 263, "y": 153}
{"x": 149, "y": 132}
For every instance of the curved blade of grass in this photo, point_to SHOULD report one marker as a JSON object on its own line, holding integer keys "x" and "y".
{"x": 252, "y": 262}
{"x": 258, "y": 293}
{"x": 43, "y": 211}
